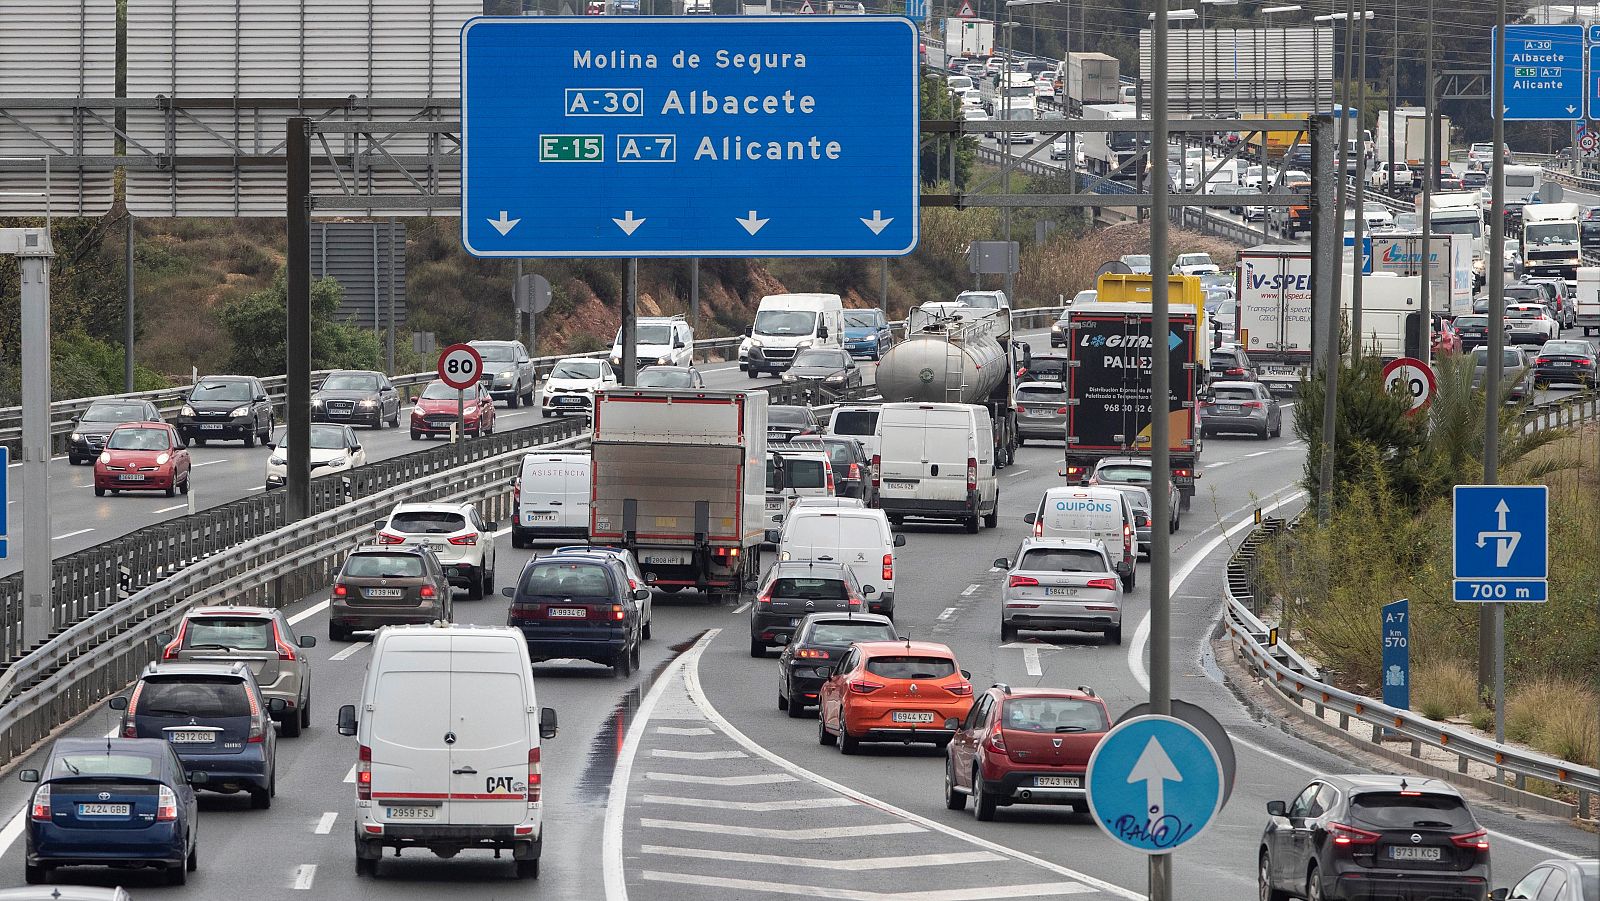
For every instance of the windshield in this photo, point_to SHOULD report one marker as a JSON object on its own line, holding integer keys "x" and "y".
{"x": 1123, "y": 140}
{"x": 576, "y": 369}
{"x": 1533, "y": 295}
{"x": 346, "y": 381}
{"x": 1054, "y": 715}
{"x": 861, "y": 318}
{"x": 1472, "y": 227}
{"x": 427, "y": 522}
{"x": 221, "y": 391}
{"x": 847, "y": 632}
{"x": 1136, "y": 260}
{"x": 1194, "y": 259}
{"x": 806, "y": 473}
{"x": 1523, "y": 314}
{"x": 650, "y": 334}
{"x": 495, "y": 353}
{"x": 830, "y": 359}
{"x": 194, "y": 696}
{"x": 1480, "y": 357}
{"x": 1400, "y": 810}
{"x": 105, "y": 765}
{"x": 785, "y": 322}
{"x": 438, "y": 390}
{"x": 235, "y": 633}
{"x": 383, "y": 566}
{"x": 1041, "y": 393}
{"x": 327, "y": 438}
{"x": 855, "y": 422}
{"x": 114, "y": 412}
{"x": 661, "y": 377}
{"x": 810, "y": 589}
{"x": 1580, "y": 348}
{"x": 140, "y": 439}
{"x": 1550, "y": 233}
{"x": 1471, "y": 321}
{"x": 979, "y": 300}
{"x": 907, "y": 667}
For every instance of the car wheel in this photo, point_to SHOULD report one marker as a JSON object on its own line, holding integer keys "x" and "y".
{"x": 184, "y": 488}
{"x": 1313, "y": 884}
{"x": 1265, "y": 891}
{"x": 367, "y": 866}
{"x": 783, "y": 702}
{"x": 792, "y": 703}
{"x": 824, "y": 737}
{"x": 983, "y": 803}
{"x": 991, "y": 520}
{"x": 953, "y": 798}
{"x": 192, "y": 863}
{"x": 34, "y": 874}
{"x": 646, "y": 630}
{"x": 338, "y": 633}
{"x": 516, "y": 398}
{"x": 1127, "y": 581}
{"x": 1008, "y": 632}
{"x": 177, "y": 875}
{"x": 475, "y": 585}
{"x": 260, "y": 798}
{"x": 528, "y": 869}
{"x": 847, "y": 743}
{"x": 1114, "y": 635}
{"x": 633, "y": 657}
{"x": 172, "y": 488}
{"x": 1278, "y": 432}
{"x": 249, "y": 439}
{"x": 622, "y": 665}
{"x": 971, "y": 523}
{"x": 757, "y": 648}
{"x": 305, "y": 712}
{"x": 289, "y": 726}
{"x": 99, "y": 492}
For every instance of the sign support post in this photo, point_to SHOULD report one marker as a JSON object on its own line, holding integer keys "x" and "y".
{"x": 460, "y": 367}
{"x": 33, "y": 250}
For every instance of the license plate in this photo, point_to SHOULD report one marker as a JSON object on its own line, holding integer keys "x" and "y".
{"x": 1560, "y": 364}
{"x": 384, "y": 592}
{"x": 1397, "y": 852}
{"x": 1041, "y": 414}
{"x": 571, "y": 612}
{"x": 1056, "y": 782}
{"x": 901, "y": 486}
{"x": 774, "y": 503}
{"x": 131, "y": 477}
{"x": 211, "y": 426}
{"x": 912, "y": 716}
{"x": 569, "y": 401}
{"x": 191, "y": 737}
{"x": 103, "y": 810}
{"x": 665, "y": 559}
{"x": 1228, "y": 408}
{"x": 411, "y": 813}
{"x": 1060, "y": 592}
{"x": 543, "y": 517}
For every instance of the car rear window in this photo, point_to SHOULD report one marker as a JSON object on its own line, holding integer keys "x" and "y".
{"x": 1469, "y": 321}
{"x": 1054, "y": 715}
{"x": 234, "y": 633}
{"x": 427, "y": 522}
{"x": 1399, "y": 810}
{"x": 193, "y": 695}
{"x": 1133, "y": 475}
{"x": 806, "y": 474}
{"x": 1235, "y": 394}
{"x": 909, "y": 667}
{"x": 845, "y": 633}
{"x": 855, "y": 422}
{"x": 383, "y": 566}
{"x": 810, "y": 589}
{"x": 1567, "y": 347}
{"x": 102, "y": 765}
{"x": 788, "y": 416}
{"x": 567, "y": 580}
{"x": 1051, "y": 395}
{"x": 1063, "y": 560}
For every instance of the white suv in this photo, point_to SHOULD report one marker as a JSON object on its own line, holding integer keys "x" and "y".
{"x": 658, "y": 341}
{"x": 457, "y": 535}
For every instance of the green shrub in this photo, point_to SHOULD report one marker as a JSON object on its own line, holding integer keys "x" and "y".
{"x": 1444, "y": 689}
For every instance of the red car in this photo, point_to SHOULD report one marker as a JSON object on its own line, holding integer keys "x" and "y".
{"x": 1029, "y": 746}
{"x": 1445, "y": 338}
{"x": 435, "y": 411}
{"x": 142, "y": 456}
{"x": 901, "y": 691}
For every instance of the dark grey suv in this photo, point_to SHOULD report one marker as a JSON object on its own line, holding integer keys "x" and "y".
{"x": 227, "y": 407}
{"x": 358, "y": 397}
{"x": 508, "y": 371}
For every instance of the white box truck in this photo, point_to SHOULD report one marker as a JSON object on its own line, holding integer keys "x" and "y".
{"x": 1106, "y": 152}
{"x": 1274, "y": 311}
{"x": 679, "y": 477}
{"x": 1391, "y": 314}
{"x": 1589, "y": 299}
{"x": 1460, "y": 213}
{"x": 968, "y": 37}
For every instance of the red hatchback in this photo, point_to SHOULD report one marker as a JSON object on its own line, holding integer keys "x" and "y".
{"x": 435, "y": 411}
{"x": 143, "y": 456}
{"x": 1029, "y": 746}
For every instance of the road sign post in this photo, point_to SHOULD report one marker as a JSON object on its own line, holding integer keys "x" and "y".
{"x": 1397, "y": 654}
{"x": 1501, "y": 543}
{"x": 632, "y": 137}
{"x": 5, "y": 500}
{"x": 1154, "y": 784}
{"x": 460, "y": 367}
{"x": 1414, "y": 379}
{"x": 1541, "y": 72}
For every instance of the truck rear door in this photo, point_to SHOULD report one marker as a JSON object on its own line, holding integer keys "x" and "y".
{"x": 410, "y": 716}
{"x": 489, "y": 719}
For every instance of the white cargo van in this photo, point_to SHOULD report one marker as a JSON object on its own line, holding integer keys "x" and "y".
{"x": 936, "y": 461}
{"x": 1588, "y": 299}
{"x": 789, "y": 323}
{"x": 448, "y": 730}
{"x": 858, "y": 421}
{"x": 551, "y": 497}
{"x": 858, "y": 538}
{"x": 1093, "y": 512}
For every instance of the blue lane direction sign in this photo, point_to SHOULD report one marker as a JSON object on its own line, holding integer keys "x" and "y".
{"x": 1366, "y": 251}
{"x": 1154, "y": 784}
{"x": 1397, "y": 654}
{"x": 1541, "y": 71}
{"x": 631, "y": 136}
{"x": 917, "y": 10}
{"x": 1501, "y": 542}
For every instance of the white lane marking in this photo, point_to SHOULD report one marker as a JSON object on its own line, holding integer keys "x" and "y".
{"x": 1219, "y": 465}
{"x": 979, "y": 893}
{"x": 680, "y": 730}
{"x": 325, "y": 825}
{"x": 698, "y": 755}
{"x": 751, "y": 806}
{"x": 691, "y": 677}
{"x": 13, "y": 829}
{"x": 209, "y": 463}
{"x": 1141, "y": 635}
{"x": 72, "y": 534}
{"x": 969, "y": 591}
{"x": 1030, "y": 661}
{"x": 183, "y": 506}
{"x": 741, "y": 608}
{"x": 351, "y": 776}
{"x": 820, "y": 832}
{"x": 948, "y": 612}
{"x": 307, "y": 613}
{"x": 857, "y": 865}
{"x": 351, "y": 651}
{"x": 303, "y": 876}
{"x": 1259, "y": 453}
{"x": 1287, "y": 406}
{"x": 1016, "y": 472}
{"x": 757, "y": 779}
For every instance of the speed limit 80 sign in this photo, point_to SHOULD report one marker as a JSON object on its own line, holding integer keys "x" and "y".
{"x": 460, "y": 366}
{"x": 1411, "y": 378}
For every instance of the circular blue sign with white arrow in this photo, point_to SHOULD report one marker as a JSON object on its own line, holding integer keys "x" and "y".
{"x": 1155, "y": 784}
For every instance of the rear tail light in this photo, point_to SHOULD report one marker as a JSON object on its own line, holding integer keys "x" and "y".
{"x": 997, "y": 739}
{"x": 340, "y": 591}
{"x": 1108, "y": 584}
{"x": 1127, "y": 538}
{"x": 972, "y": 474}
{"x": 41, "y": 805}
{"x": 166, "y": 805}
{"x": 516, "y": 492}
{"x": 1181, "y": 473}
{"x": 258, "y": 729}
{"x": 877, "y": 470}
{"x": 829, "y": 470}
{"x": 1038, "y": 528}
{"x": 855, "y": 472}
{"x": 1074, "y": 473}
{"x": 863, "y": 687}
{"x": 1473, "y": 841}
{"x": 1350, "y": 835}
{"x": 465, "y": 540}
{"x": 809, "y": 654}
{"x": 170, "y": 652}
{"x": 964, "y": 690}
{"x": 285, "y": 650}
{"x": 1251, "y": 405}
{"x": 617, "y": 614}
{"x": 1542, "y": 361}
{"x": 129, "y": 730}
{"x": 888, "y": 567}
{"x": 1234, "y": 371}
{"x": 854, "y": 603}
{"x": 389, "y": 538}
{"x": 1061, "y": 411}
{"x": 764, "y": 600}
{"x": 426, "y": 591}
{"x": 1022, "y": 582}
{"x": 535, "y": 776}
{"x": 364, "y": 773}
{"x": 522, "y": 613}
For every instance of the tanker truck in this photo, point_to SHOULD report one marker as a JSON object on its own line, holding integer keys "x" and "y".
{"x": 957, "y": 358}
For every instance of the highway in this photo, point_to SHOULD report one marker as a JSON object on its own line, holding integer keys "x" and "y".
{"x": 689, "y": 759}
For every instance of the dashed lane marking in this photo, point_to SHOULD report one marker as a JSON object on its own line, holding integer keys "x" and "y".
{"x": 857, "y": 865}
{"x": 325, "y": 825}
{"x": 351, "y": 651}
{"x": 750, "y": 806}
{"x": 741, "y": 608}
{"x": 351, "y": 776}
{"x": 209, "y": 463}
{"x": 72, "y": 534}
{"x": 307, "y": 613}
{"x": 1259, "y": 453}
{"x": 1219, "y": 465}
{"x": 304, "y": 875}
{"x": 685, "y": 730}
{"x": 979, "y": 893}
{"x": 948, "y": 612}
{"x": 1016, "y": 472}
{"x": 172, "y": 508}
{"x": 698, "y": 755}
{"x": 1030, "y": 661}
{"x": 757, "y": 779}
{"x": 969, "y": 591}
{"x": 821, "y": 832}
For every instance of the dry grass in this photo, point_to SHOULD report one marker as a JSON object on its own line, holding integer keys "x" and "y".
{"x": 1444, "y": 689}
{"x": 1555, "y": 715}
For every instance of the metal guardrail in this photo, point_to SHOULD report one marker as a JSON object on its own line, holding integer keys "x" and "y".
{"x": 1295, "y": 679}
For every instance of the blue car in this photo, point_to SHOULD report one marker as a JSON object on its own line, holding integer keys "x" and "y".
{"x": 578, "y": 606}
{"x": 121, "y": 802}
{"x": 866, "y": 333}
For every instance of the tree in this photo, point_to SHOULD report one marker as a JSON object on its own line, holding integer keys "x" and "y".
{"x": 1372, "y": 423}
{"x": 257, "y": 325}
{"x": 938, "y": 104}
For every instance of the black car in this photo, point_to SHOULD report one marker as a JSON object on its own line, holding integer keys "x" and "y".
{"x": 1046, "y": 368}
{"x": 508, "y": 371}
{"x": 669, "y": 377}
{"x": 852, "y": 474}
{"x": 834, "y": 369}
{"x": 1473, "y": 330}
{"x": 818, "y": 644}
{"x": 88, "y": 436}
{"x": 1571, "y": 362}
{"x": 1231, "y": 362}
{"x": 216, "y": 718}
{"x": 227, "y": 407}
{"x": 786, "y": 422}
{"x": 1589, "y": 228}
{"x": 1349, "y": 837}
{"x": 356, "y": 396}
{"x": 792, "y": 590}
{"x": 578, "y": 607}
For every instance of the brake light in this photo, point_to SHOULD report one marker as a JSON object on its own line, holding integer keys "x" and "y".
{"x": 855, "y": 472}
{"x": 862, "y": 687}
{"x": 516, "y": 492}
{"x": 829, "y": 470}
{"x": 285, "y": 651}
{"x": 1107, "y": 584}
{"x": 426, "y": 591}
{"x": 1022, "y": 582}
{"x": 166, "y": 805}
{"x": 972, "y": 474}
{"x": 465, "y": 540}
{"x": 1038, "y": 528}
{"x": 129, "y": 730}
{"x": 1472, "y": 841}
{"x": 877, "y": 470}
{"x": 1074, "y": 473}
{"x": 617, "y": 614}
{"x": 535, "y": 776}
{"x": 258, "y": 729}
{"x": 1251, "y": 405}
{"x": 340, "y": 591}
{"x": 809, "y": 654}
{"x": 1127, "y": 537}
{"x": 764, "y": 599}
{"x": 1542, "y": 361}
{"x": 1061, "y": 411}
{"x": 170, "y": 652}
{"x": 364, "y": 773}
{"x": 41, "y": 805}
{"x": 1234, "y": 371}
{"x": 854, "y": 603}
{"x": 964, "y": 690}
{"x": 1350, "y": 835}
{"x": 1180, "y": 473}
{"x": 389, "y": 538}
{"x": 997, "y": 740}
{"x": 888, "y": 567}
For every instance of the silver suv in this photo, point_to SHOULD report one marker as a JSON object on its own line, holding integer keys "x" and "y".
{"x": 1060, "y": 583}
{"x": 261, "y": 638}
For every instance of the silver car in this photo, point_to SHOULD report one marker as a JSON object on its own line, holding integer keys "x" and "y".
{"x": 1139, "y": 500}
{"x": 260, "y": 638}
{"x": 1060, "y": 583}
{"x": 1041, "y": 411}
{"x": 1240, "y": 407}
{"x": 1117, "y": 472}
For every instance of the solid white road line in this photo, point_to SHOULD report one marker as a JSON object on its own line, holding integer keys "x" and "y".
{"x": 1259, "y": 453}
{"x": 846, "y": 865}
{"x": 821, "y": 832}
{"x": 698, "y": 755}
{"x": 1030, "y": 661}
{"x": 1219, "y": 465}
{"x": 979, "y": 893}
{"x": 948, "y": 612}
{"x": 13, "y": 829}
{"x": 757, "y": 779}
{"x": 304, "y": 875}
{"x": 682, "y": 730}
{"x": 1015, "y": 472}
{"x": 307, "y": 613}
{"x": 207, "y": 463}
{"x": 71, "y": 534}
{"x": 325, "y": 825}
{"x": 351, "y": 651}
{"x": 183, "y": 506}
{"x": 750, "y": 806}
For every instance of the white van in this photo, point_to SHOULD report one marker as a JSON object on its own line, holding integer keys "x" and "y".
{"x": 658, "y": 341}
{"x": 857, "y": 538}
{"x": 858, "y": 421}
{"x": 936, "y": 461}
{"x": 789, "y": 323}
{"x": 449, "y": 729}
{"x": 551, "y": 497}
{"x": 1093, "y": 512}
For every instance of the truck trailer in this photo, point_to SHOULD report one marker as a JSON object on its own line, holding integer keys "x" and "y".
{"x": 968, "y": 37}
{"x": 1273, "y": 324}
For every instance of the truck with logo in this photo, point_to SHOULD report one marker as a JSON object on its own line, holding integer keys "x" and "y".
{"x": 1111, "y": 353}
{"x": 1273, "y": 324}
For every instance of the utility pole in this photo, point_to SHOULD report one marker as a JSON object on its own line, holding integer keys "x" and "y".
{"x": 1492, "y": 617}
{"x": 1361, "y": 190}
{"x": 1430, "y": 164}
{"x": 1327, "y": 238}
{"x": 33, "y": 250}
{"x": 630, "y": 325}
{"x": 297, "y": 338}
{"x": 1160, "y": 874}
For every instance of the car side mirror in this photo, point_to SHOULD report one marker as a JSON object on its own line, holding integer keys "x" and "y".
{"x": 822, "y": 331}
{"x": 118, "y": 703}
{"x": 966, "y": 675}
{"x": 749, "y": 331}
{"x": 355, "y": 447}
{"x": 1123, "y": 568}
{"x": 29, "y": 775}
{"x": 641, "y": 594}
{"x": 1030, "y": 518}
{"x": 308, "y": 641}
{"x": 772, "y": 536}
{"x": 377, "y": 523}
{"x": 1500, "y": 894}
{"x": 547, "y": 722}
{"x": 508, "y": 591}
{"x": 198, "y": 778}
{"x": 347, "y": 719}
{"x": 1277, "y": 809}
{"x": 868, "y": 589}
{"x": 899, "y": 540}
{"x": 516, "y": 482}
{"x": 492, "y": 526}
{"x": 277, "y": 705}
{"x": 260, "y": 398}
{"x": 1002, "y": 563}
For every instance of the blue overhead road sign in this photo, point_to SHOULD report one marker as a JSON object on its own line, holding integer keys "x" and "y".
{"x": 1366, "y": 251}
{"x": 1541, "y": 71}
{"x": 917, "y": 10}
{"x": 1154, "y": 784}
{"x": 631, "y": 136}
{"x": 1501, "y": 542}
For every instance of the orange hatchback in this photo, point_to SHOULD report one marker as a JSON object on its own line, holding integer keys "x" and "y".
{"x": 905, "y": 691}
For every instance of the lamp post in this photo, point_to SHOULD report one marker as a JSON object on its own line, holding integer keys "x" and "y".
{"x": 1283, "y": 55}
{"x": 1004, "y": 85}
{"x": 1211, "y": 52}
{"x": 1176, "y": 15}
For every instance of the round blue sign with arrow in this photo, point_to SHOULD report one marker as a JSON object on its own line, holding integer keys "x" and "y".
{"x": 1155, "y": 784}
